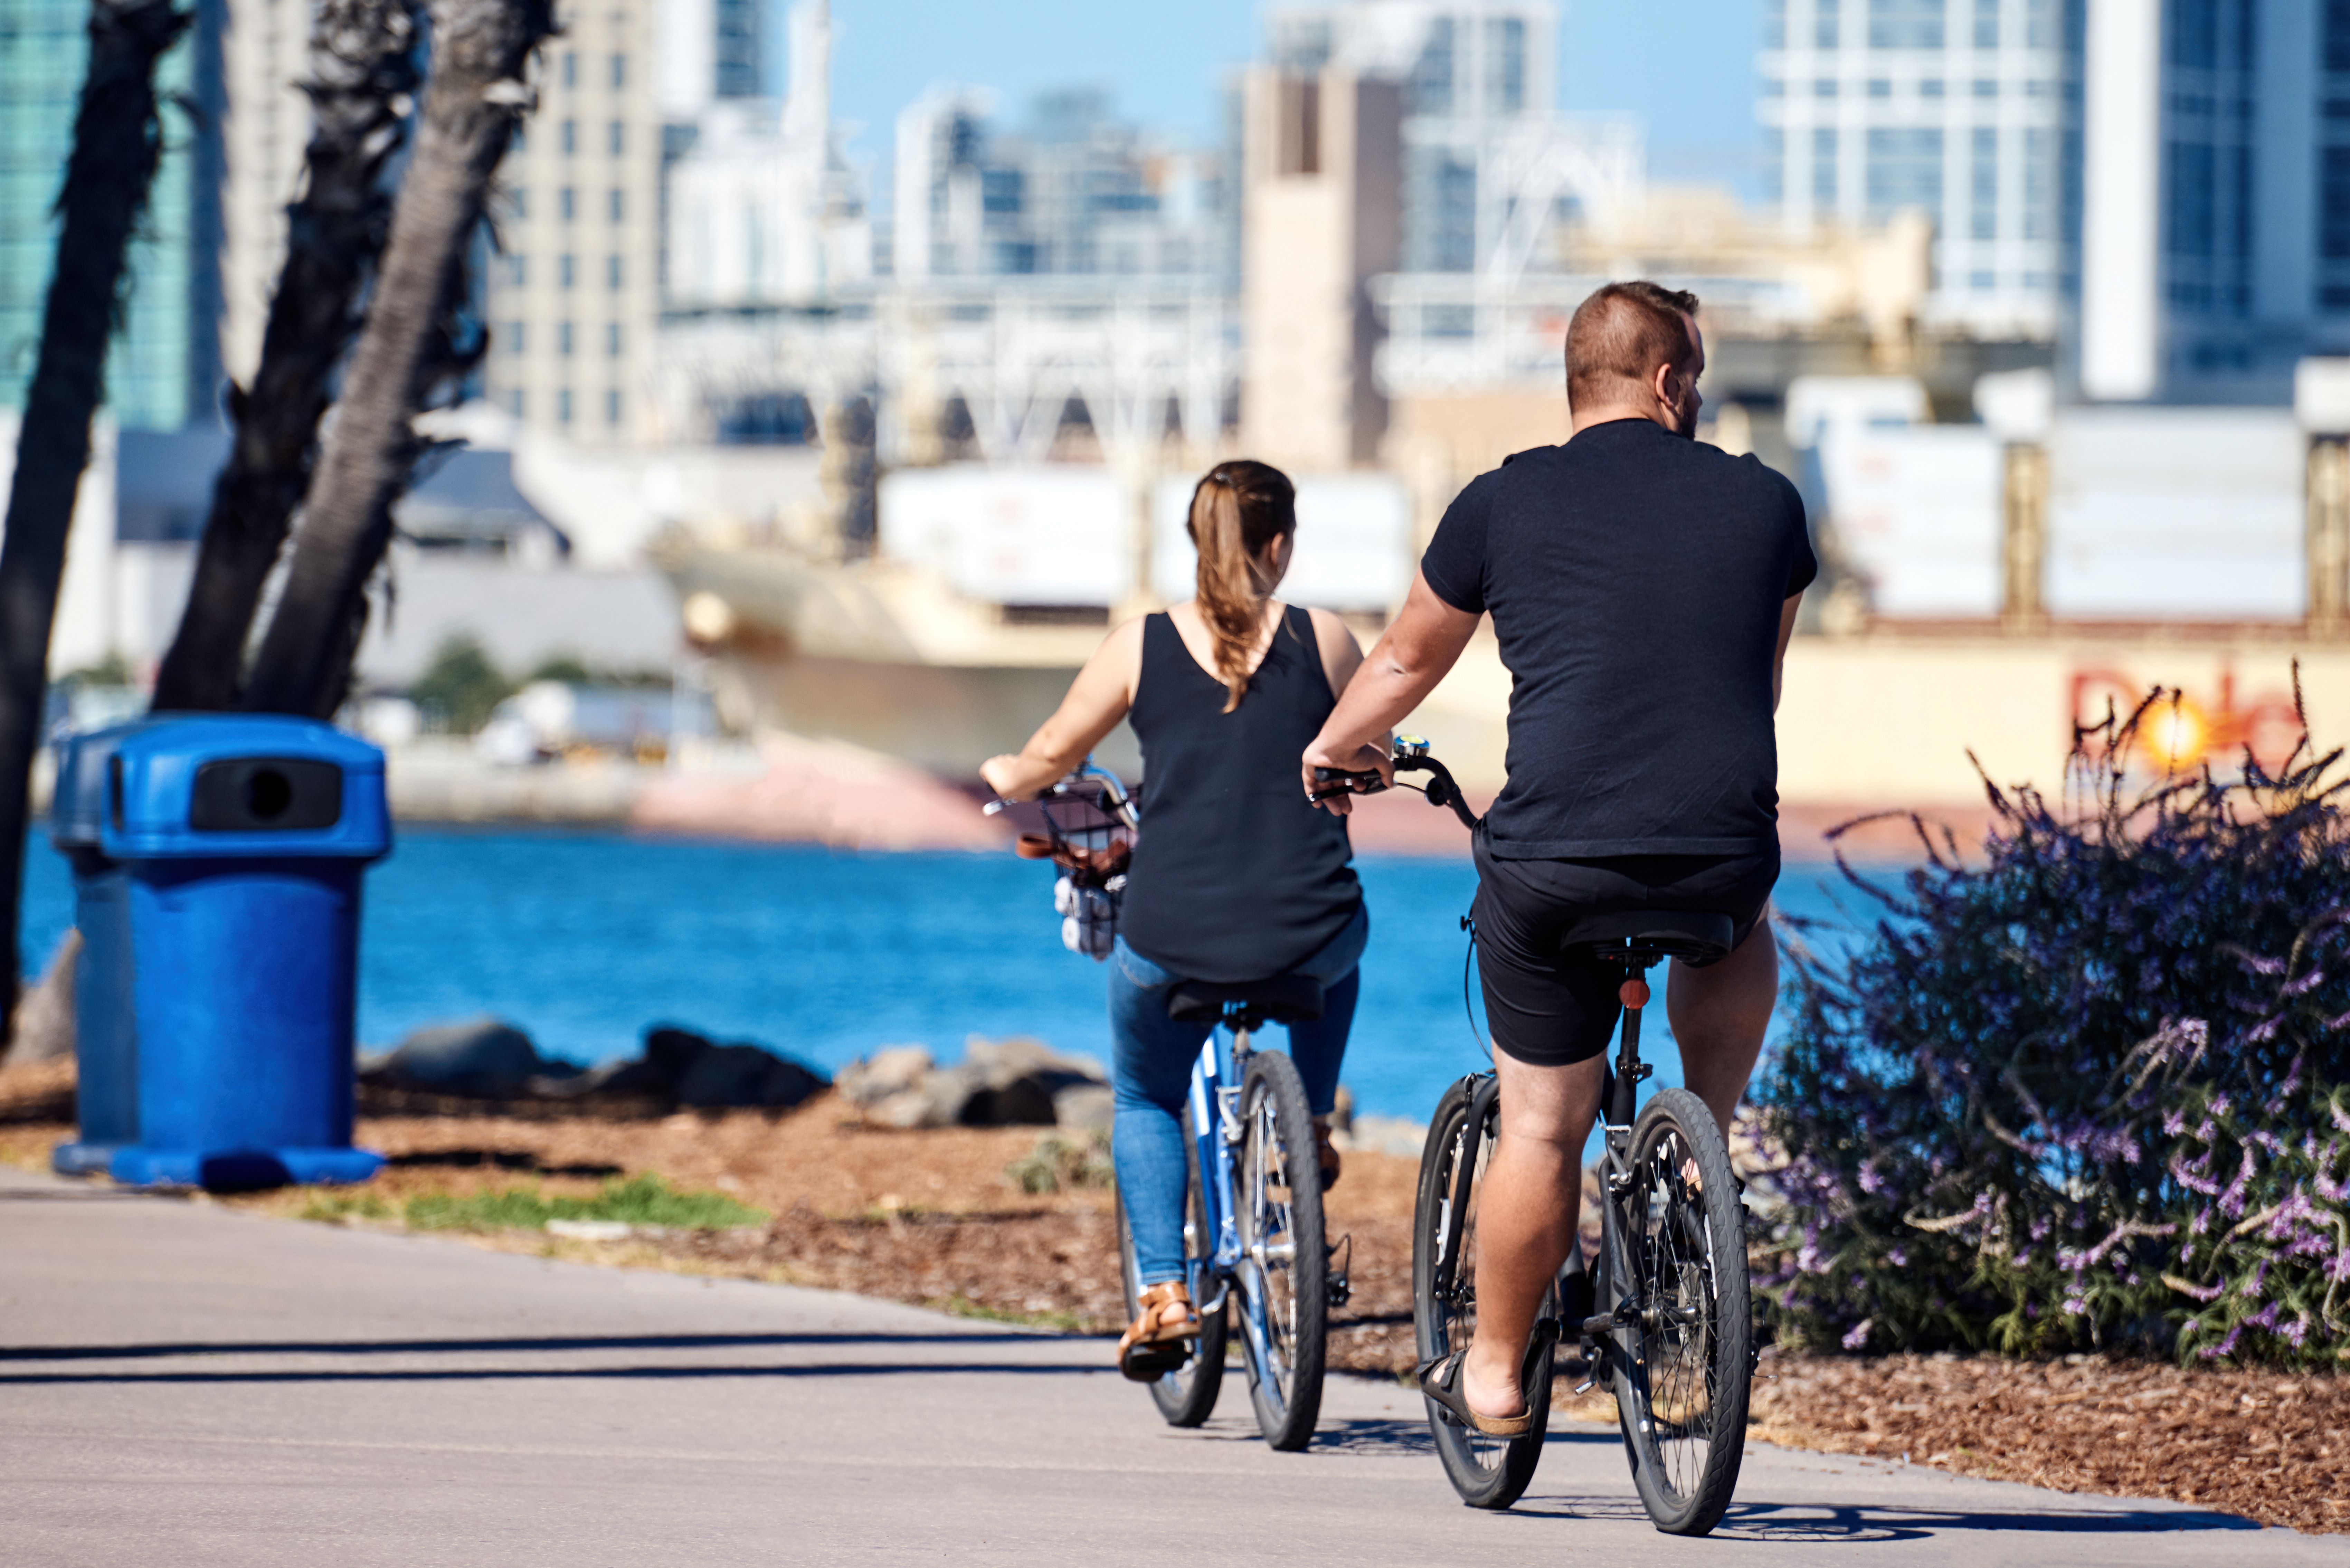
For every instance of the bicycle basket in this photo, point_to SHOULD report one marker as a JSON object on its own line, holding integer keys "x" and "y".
{"x": 1089, "y": 831}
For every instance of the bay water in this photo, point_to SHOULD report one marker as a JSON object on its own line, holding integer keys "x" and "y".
{"x": 585, "y": 940}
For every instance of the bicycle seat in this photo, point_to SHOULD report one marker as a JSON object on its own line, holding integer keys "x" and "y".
{"x": 1692, "y": 936}
{"x": 1284, "y": 999}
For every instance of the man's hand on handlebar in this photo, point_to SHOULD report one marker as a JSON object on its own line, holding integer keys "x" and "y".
{"x": 1371, "y": 767}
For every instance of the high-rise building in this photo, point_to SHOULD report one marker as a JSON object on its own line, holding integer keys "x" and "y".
{"x": 1953, "y": 108}
{"x": 264, "y": 132}
{"x": 740, "y": 38}
{"x": 709, "y": 49}
{"x": 1475, "y": 74}
{"x": 1072, "y": 191}
{"x": 762, "y": 210}
{"x": 1324, "y": 216}
{"x": 572, "y": 299}
{"x": 163, "y": 370}
{"x": 2214, "y": 170}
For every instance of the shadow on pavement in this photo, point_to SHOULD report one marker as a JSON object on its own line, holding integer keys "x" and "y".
{"x": 1826, "y": 1525}
{"x": 555, "y": 1374}
{"x": 447, "y": 1347}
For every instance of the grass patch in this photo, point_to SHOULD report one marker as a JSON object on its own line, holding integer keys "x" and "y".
{"x": 1062, "y": 1321}
{"x": 332, "y": 1206}
{"x": 640, "y": 1200}
{"x": 1059, "y": 1165}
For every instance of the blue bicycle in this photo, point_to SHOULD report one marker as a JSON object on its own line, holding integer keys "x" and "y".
{"x": 1256, "y": 1260}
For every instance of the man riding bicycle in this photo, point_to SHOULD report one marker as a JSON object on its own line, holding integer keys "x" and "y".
{"x": 1643, "y": 586}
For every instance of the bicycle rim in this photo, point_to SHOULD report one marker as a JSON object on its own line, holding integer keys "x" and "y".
{"x": 1283, "y": 1263}
{"x": 1681, "y": 1383}
{"x": 1487, "y": 1472}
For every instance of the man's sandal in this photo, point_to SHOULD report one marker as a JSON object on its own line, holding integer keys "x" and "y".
{"x": 1326, "y": 1155}
{"x": 1157, "y": 1341}
{"x": 1441, "y": 1381}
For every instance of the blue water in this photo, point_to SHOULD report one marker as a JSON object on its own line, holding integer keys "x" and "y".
{"x": 585, "y": 939}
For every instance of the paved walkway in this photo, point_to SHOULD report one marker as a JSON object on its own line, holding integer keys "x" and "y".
{"x": 190, "y": 1386}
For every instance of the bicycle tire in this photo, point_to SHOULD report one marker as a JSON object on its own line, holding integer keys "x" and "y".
{"x": 1187, "y": 1396}
{"x": 1284, "y": 1274}
{"x": 1683, "y": 1369}
{"x": 1488, "y": 1473}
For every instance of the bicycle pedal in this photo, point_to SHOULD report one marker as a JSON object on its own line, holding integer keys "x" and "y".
{"x": 1341, "y": 1291}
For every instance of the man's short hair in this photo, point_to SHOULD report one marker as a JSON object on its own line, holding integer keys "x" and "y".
{"x": 1621, "y": 334}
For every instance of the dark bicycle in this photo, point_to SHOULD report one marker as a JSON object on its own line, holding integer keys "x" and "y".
{"x": 1661, "y": 1315}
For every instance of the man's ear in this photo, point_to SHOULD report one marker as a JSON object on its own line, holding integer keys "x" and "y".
{"x": 1661, "y": 385}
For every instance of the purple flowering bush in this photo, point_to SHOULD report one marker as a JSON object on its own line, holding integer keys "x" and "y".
{"x": 2089, "y": 1090}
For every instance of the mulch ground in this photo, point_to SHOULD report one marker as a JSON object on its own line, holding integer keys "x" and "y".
{"x": 933, "y": 1218}
{"x": 2265, "y": 1445}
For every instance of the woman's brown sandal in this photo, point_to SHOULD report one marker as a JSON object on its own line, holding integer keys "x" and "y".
{"x": 1157, "y": 1341}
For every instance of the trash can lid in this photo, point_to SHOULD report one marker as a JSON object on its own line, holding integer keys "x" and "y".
{"x": 243, "y": 785}
{"x": 77, "y": 804}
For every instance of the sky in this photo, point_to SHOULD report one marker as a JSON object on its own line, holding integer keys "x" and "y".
{"x": 1688, "y": 73}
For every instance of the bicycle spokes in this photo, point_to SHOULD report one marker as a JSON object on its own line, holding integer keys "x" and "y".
{"x": 1674, "y": 1302}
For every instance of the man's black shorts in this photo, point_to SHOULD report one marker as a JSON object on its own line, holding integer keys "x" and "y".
{"x": 1548, "y": 1010}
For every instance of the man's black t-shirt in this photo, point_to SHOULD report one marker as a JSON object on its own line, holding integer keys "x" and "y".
{"x": 1635, "y": 579}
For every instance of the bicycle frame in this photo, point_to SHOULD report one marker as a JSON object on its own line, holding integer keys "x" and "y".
{"x": 1617, "y": 1107}
{"x": 1216, "y": 1132}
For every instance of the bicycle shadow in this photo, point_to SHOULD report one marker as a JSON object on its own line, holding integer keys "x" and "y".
{"x": 1370, "y": 1437}
{"x": 1806, "y": 1523}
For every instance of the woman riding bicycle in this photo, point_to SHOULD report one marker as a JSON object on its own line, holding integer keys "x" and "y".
{"x": 1236, "y": 878}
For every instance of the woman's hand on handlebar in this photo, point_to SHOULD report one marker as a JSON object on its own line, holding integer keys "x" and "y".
{"x": 1015, "y": 775}
{"x": 1362, "y": 759}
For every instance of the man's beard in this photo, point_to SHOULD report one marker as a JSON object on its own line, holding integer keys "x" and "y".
{"x": 1685, "y": 418}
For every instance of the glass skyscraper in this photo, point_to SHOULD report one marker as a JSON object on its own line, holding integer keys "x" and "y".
{"x": 1952, "y": 108}
{"x": 163, "y": 372}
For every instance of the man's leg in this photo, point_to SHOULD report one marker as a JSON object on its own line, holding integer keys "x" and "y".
{"x": 1528, "y": 1208}
{"x": 1720, "y": 1014}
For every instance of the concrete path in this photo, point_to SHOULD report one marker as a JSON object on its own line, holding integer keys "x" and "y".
{"x": 180, "y": 1385}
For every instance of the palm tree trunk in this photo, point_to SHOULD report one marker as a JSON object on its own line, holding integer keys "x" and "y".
{"x": 118, "y": 140}
{"x": 475, "y": 99}
{"x": 362, "y": 75}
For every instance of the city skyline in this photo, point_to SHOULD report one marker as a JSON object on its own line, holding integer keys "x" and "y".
{"x": 1695, "y": 92}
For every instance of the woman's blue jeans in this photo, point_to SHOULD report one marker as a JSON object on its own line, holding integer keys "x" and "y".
{"x": 1151, "y": 1070}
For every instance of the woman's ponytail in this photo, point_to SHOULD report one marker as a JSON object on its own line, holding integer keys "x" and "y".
{"x": 1237, "y": 512}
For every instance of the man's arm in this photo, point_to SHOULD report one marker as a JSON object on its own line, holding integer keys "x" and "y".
{"x": 1415, "y": 652}
{"x": 1779, "y": 659}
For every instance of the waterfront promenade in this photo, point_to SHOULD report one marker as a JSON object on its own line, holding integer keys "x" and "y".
{"x": 189, "y": 1385}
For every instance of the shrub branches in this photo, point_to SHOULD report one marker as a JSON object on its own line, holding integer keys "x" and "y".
{"x": 2091, "y": 1091}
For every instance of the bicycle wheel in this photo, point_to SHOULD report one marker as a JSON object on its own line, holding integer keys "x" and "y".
{"x": 1488, "y": 1473}
{"x": 1681, "y": 1377}
{"x": 1284, "y": 1272}
{"x": 1187, "y": 1396}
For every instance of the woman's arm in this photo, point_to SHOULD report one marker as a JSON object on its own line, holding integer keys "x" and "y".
{"x": 1099, "y": 698}
{"x": 1786, "y": 635}
{"x": 1341, "y": 654}
{"x": 1414, "y": 653}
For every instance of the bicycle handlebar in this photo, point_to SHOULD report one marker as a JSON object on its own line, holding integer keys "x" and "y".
{"x": 1410, "y": 757}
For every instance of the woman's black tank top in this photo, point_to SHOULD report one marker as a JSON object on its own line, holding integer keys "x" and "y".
{"x": 1235, "y": 877}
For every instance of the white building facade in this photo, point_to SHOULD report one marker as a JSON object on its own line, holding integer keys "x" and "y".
{"x": 1955, "y": 107}
{"x": 573, "y": 295}
{"x": 2215, "y": 176}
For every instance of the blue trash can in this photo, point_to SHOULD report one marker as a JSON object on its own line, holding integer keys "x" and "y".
{"x": 240, "y": 842}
